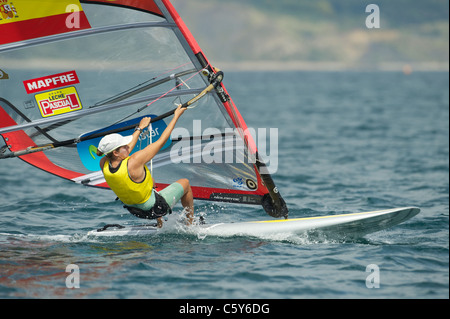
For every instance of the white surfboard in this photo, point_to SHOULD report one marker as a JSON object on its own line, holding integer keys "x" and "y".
{"x": 344, "y": 225}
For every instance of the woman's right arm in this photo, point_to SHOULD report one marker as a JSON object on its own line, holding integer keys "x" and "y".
{"x": 144, "y": 156}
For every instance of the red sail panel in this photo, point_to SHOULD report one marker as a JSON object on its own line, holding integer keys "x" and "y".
{"x": 19, "y": 140}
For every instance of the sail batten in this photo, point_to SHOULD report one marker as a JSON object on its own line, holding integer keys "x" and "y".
{"x": 95, "y": 109}
{"x": 61, "y": 91}
{"x": 83, "y": 33}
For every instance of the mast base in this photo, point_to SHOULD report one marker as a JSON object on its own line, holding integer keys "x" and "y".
{"x": 273, "y": 209}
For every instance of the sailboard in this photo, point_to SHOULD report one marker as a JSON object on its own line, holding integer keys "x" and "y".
{"x": 74, "y": 71}
{"x": 342, "y": 226}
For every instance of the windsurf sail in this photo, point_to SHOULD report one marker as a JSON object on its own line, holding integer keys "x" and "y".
{"x": 74, "y": 71}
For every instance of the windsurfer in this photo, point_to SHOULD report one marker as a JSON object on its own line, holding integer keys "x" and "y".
{"x": 131, "y": 180}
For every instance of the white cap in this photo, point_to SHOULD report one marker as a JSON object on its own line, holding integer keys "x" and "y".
{"x": 113, "y": 141}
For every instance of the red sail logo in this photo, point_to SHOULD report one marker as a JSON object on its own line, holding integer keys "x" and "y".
{"x": 58, "y": 102}
{"x": 51, "y": 82}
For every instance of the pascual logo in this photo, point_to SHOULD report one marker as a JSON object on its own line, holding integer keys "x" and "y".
{"x": 51, "y": 82}
{"x": 58, "y": 102}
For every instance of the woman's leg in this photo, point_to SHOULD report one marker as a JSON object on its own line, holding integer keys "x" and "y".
{"x": 180, "y": 190}
{"x": 187, "y": 200}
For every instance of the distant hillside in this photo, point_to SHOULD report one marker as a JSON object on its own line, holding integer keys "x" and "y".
{"x": 320, "y": 34}
{"x": 395, "y": 12}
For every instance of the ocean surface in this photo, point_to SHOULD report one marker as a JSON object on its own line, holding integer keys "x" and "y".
{"x": 348, "y": 142}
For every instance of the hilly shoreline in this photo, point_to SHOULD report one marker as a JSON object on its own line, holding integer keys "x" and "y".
{"x": 320, "y": 35}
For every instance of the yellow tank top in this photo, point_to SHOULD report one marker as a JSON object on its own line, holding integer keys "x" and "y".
{"x": 128, "y": 191}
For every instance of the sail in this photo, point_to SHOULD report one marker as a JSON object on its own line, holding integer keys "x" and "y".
{"x": 91, "y": 68}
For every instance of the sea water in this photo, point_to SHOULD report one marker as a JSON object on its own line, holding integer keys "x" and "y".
{"x": 347, "y": 142}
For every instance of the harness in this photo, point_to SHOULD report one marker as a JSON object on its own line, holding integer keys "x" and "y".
{"x": 161, "y": 208}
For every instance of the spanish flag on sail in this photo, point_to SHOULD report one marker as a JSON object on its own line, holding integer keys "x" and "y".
{"x": 28, "y": 19}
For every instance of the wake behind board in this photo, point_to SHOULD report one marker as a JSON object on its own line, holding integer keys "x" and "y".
{"x": 346, "y": 225}
{"x": 118, "y": 230}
